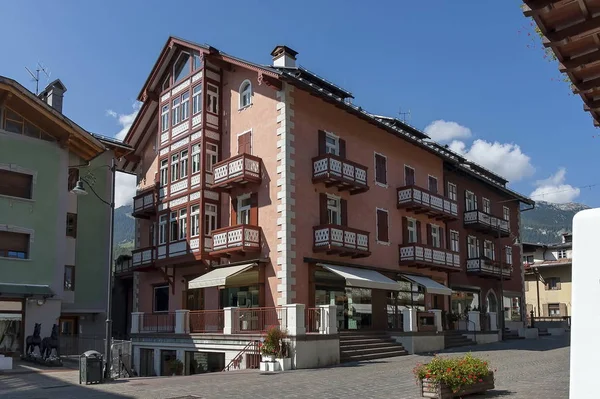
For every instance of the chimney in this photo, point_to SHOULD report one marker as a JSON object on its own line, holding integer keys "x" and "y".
{"x": 53, "y": 95}
{"x": 283, "y": 56}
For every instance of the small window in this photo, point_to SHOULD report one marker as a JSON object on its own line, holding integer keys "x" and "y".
{"x": 210, "y": 218}
{"x": 433, "y": 184}
{"x": 197, "y": 100}
{"x": 164, "y": 172}
{"x": 487, "y": 207}
{"x": 212, "y": 99}
{"x": 409, "y": 176}
{"x": 182, "y": 224}
{"x": 13, "y": 122}
{"x": 195, "y": 158}
{"x": 14, "y": 245}
{"x": 243, "y": 209}
{"x": 452, "y": 192}
{"x": 470, "y": 201}
{"x": 212, "y": 153}
{"x": 184, "y": 164}
{"x": 454, "y": 241}
{"x": 552, "y": 283}
{"x": 174, "y": 229}
{"x": 436, "y": 236}
{"x": 332, "y": 144}
{"x": 382, "y": 226}
{"x": 161, "y": 298}
{"x": 176, "y": 111}
{"x": 164, "y": 118}
{"x": 380, "y": 169}
{"x": 472, "y": 247}
{"x": 411, "y": 225}
{"x": 561, "y": 254}
{"x": 528, "y": 259}
{"x": 334, "y": 210}
{"x": 506, "y": 213}
{"x": 162, "y": 229}
{"x": 175, "y": 167}
{"x": 69, "y": 278}
{"x": 185, "y": 106}
{"x": 197, "y": 60}
{"x": 166, "y": 83}
{"x": 488, "y": 250}
{"x": 73, "y": 178}
{"x": 508, "y": 254}
{"x": 245, "y": 94}
{"x": 72, "y": 225}
{"x": 554, "y": 310}
{"x": 181, "y": 69}
{"x": 194, "y": 221}
{"x": 15, "y": 184}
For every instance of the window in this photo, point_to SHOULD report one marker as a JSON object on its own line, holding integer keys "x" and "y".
{"x": 243, "y": 209}
{"x": 176, "y": 111}
{"x": 210, "y": 218}
{"x": 454, "y": 241}
{"x": 452, "y": 192}
{"x": 433, "y": 186}
{"x": 332, "y": 144}
{"x": 69, "y": 278}
{"x": 195, "y": 158}
{"x": 161, "y": 298}
{"x": 382, "y": 226}
{"x": 411, "y": 225}
{"x": 212, "y": 98}
{"x": 334, "y": 210}
{"x": 184, "y": 164}
{"x": 552, "y": 283}
{"x": 14, "y": 245}
{"x": 554, "y": 310}
{"x": 166, "y": 83}
{"x": 436, "y": 239}
{"x": 162, "y": 229}
{"x": 197, "y": 60}
{"x": 380, "y": 169}
{"x": 72, "y": 225}
{"x": 181, "y": 69}
{"x": 185, "y": 106}
{"x": 508, "y": 253}
{"x": 561, "y": 254}
{"x": 211, "y": 156}
{"x": 245, "y": 94}
{"x": 174, "y": 230}
{"x": 506, "y": 213}
{"x": 164, "y": 172}
{"x": 195, "y": 225}
{"x": 175, "y": 167}
{"x": 164, "y": 118}
{"x": 409, "y": 175}
{"x": 15, "y": 123}
{"x": 487, "y": 208}
{"x": 15, "y": 184}
{"x": 197, "y": 100}
{"x": 182, "y": 224}
{"x": 488, "y": 250}
{"x": 528, "y": 259}
{"x": 73, "y": 178}
{"x": 472, "y": 247}
{"x": 470, "y": 201}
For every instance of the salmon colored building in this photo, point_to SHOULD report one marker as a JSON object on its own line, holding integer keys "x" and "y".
{"x": 264, "y": 188}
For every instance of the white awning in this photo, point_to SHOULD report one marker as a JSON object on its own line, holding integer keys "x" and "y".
{"x": 363, "y": 278}
{"x": 218, "y": 277}
{"x": 432, "y": 287}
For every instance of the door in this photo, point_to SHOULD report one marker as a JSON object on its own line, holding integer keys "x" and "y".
{"x": 245, "y": 143}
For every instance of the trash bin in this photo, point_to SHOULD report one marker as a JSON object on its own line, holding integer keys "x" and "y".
{"x": 91, "y": 368}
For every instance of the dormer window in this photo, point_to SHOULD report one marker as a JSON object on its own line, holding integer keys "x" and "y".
{"x": 245, "y": 94}
{"x": 182, "y": 67}
{"x": 197, "y": 60}
{"x": 165, "y": 84}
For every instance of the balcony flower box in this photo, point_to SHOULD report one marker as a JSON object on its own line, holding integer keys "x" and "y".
{"x": 453, "y": 377}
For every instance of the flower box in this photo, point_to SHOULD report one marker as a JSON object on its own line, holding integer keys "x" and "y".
{"x": 434, "y": 389}
{"x": 285, "y": 363}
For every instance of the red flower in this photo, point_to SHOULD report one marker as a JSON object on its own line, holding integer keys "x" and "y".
{"x": 480, "y": 380}
{"x": 449, "y": 369}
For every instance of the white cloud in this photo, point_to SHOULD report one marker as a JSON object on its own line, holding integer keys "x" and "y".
{"x": 124, "y": 120}
{"x": 554, "y": 189}
{"x": 443, "y": 131}
{"x": 125, "y": 187}
{"x": 505, "y": 159}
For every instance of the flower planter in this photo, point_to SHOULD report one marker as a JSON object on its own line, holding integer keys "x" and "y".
{"x": 268, "y": 358}
{"x": 285, "y": 364}
{"x": 432, "y": 389}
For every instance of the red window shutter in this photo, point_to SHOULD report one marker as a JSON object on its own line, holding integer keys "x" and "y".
{"x": 404, "y": 230}
{"x": 322, "y": 146}
{"x": 233, "y": 211}
{"x": 419, "y": 237}
{"x": 323, "y": 209}
{"x": 429, "y": 235}
{"x": 342, "y": 148}
{"x": 245, "y": 143}
{"x": 344, "y": 206}
{"x": 254, "y": 209}
{"x": 382, "y": 226}
{"x": 14, "y": 241}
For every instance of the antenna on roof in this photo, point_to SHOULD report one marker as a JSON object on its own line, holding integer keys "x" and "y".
{"x": 404, "y": 116}
{"x": 36, "y": 76}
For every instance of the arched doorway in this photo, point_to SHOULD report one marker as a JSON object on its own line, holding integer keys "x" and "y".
{"x": 491, "y": 302}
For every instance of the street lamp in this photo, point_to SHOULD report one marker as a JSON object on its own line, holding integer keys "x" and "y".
{"x": 79, "y": 189}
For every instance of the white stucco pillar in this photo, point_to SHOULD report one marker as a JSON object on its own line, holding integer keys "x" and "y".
{"x": 136, "y": 321}
{"x": 295, "y": 319}
{"x": 409, "y": 320}
{"x": 228, "y": 322}
{"x": 182, "y": 325}
{"x": 493, "y": 321}
{"x": 157, "y": 365}
{"x": 437, "y": 317}
{"x": 328, "y": 319}
{"x": 474, "y": 321}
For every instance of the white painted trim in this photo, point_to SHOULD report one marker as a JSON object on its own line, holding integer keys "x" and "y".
{"x": 457, "y": 240}
{"x": 239, "y": 210}
{"x": 339, "y": 208}
{"x": 237, "y": 138}
{"x": 504, "y": 209}
{"x": 414, "y": 174}
{"x": 386, "y": 185}
{"x": 474, "y": 199}
{"x": 337, "y": 141}
{"x": 240, "y": 106}
{"x": 483, "y": 200}
{"x": 377, "y": 226}
{"x": 12, "y": 167}
{"x": 22, "y": 230}
{"x": 448, "y": 184}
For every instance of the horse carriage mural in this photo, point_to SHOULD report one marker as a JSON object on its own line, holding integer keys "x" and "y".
{"x": 43, "y": 351}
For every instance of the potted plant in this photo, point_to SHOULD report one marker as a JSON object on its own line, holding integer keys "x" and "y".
{"x": 274, "y": 348}
{"x": 452, "y": 377}
{"x": 175, "y": 367}
{"x": 452, "y": 319}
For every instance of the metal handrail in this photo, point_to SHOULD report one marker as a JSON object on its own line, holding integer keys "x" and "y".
{"x": 237, "y": 360}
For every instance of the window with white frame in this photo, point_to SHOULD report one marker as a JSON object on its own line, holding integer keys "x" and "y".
{"x": 212, "y": 153}
{"x": 195, "y": 220}
{"x": 488, "y": 250}
{"x": 176, "y": 110}
{"x": 196, "y": 99}
{"x": 245, "y": 94}
{"x": 164, "y": 118}
{"x": 334, "y": 209}
{"x": 508, "y": 251}
{"x": 195, "y": 158}
{"x": 470, "y": 201}
{"x": 332, "y": 144}
{"x": 472, "y": 247}
{"x": 164, "y": 172}
{"x": 506, "y": 213}
{"x": 175, "y": 167}
{"x": 210, "y": 218}
{"x": 173, "y": 227}
{"x": 561, "y": 254}
{"x": 162, "y": 229}
{"x": 212, "y": 98}
{"x": 452, "y": 192}
{"x": 182, "y": 224}
{"x": 454, "y": 241}
{"x": 487, "y": 207}
{"x": 243, "y": 209}
{"x": 184, "y": 164}
{"x": 380, "y": 169}
{"x": 436, "y": 239}
{"x": 411, "y": 226}
{"x": 185, "y": 106}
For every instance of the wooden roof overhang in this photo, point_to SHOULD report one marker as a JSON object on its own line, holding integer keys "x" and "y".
{"x": 571, "y": 28}
{"x": 67, "y": 133}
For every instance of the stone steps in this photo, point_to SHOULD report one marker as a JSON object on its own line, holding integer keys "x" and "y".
{"x": 368, "y": 345}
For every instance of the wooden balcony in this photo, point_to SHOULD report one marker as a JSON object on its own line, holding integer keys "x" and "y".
{"x": 419, "y": 255}
{"x": 486, "y": 223}
{"x": 144, "y": 203}
{"x": 143, "y": 259}
{"x": 341, "y": 240}
{"x": 237, "y": 171}
{"x": 341, "y": 173}
{"x": 419, "y": 200}
{"x": 486, "y": 267}
{"x": 240, "y": 239}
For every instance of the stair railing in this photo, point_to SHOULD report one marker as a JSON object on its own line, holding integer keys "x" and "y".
{"x": 252, "y": 348}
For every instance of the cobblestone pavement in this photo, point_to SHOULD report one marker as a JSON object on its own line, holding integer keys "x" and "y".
{"x": 525, "y": 369}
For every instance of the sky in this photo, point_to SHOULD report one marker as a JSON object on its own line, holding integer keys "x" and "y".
{"x": 471, "y": 72}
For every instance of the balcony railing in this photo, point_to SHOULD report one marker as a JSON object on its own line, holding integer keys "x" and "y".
{"x": 489, "y": 268}
{"x": 342, "y": 173}
{"x": 239, "y": 170}
{"x": 258, "y": 320}
{"x": 144, "y": 203}
{"x": 143, "y": 258}
{"x": 486, "y": 223}
{"x": 207, "y": 321}
{"x": 123, "y": 266}
{"x": 341, "y": 240}
{"x": 419, "y": 200}
{"x": 422, "y": 255}
{"x": 157, "y": 322}
{"x": 241, "y": 238}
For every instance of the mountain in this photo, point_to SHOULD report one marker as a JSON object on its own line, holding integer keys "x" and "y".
{"x": 546, "y": 222}
{"x": 124, "y": 230}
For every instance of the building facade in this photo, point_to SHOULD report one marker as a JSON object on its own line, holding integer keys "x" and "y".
{"x": 263, "y": 186}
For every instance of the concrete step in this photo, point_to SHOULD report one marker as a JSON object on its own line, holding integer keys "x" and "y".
{"x": 362, "y": 337}
{"x": 372, "y": 350}
{"x": 382, "y": 355}
{"x": 374, "y": 344}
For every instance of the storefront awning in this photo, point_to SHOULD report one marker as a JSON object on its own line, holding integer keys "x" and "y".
{"x": 362, "y": 278}
{"x": 8, "y": 290}
{"x": 432, "y": 287}
{"x": 218, "y": 277}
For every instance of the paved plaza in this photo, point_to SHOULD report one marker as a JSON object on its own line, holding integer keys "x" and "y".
{"x": 525, "y": 369}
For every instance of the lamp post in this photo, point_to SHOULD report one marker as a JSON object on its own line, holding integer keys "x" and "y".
{"x": 79, "y": 189}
